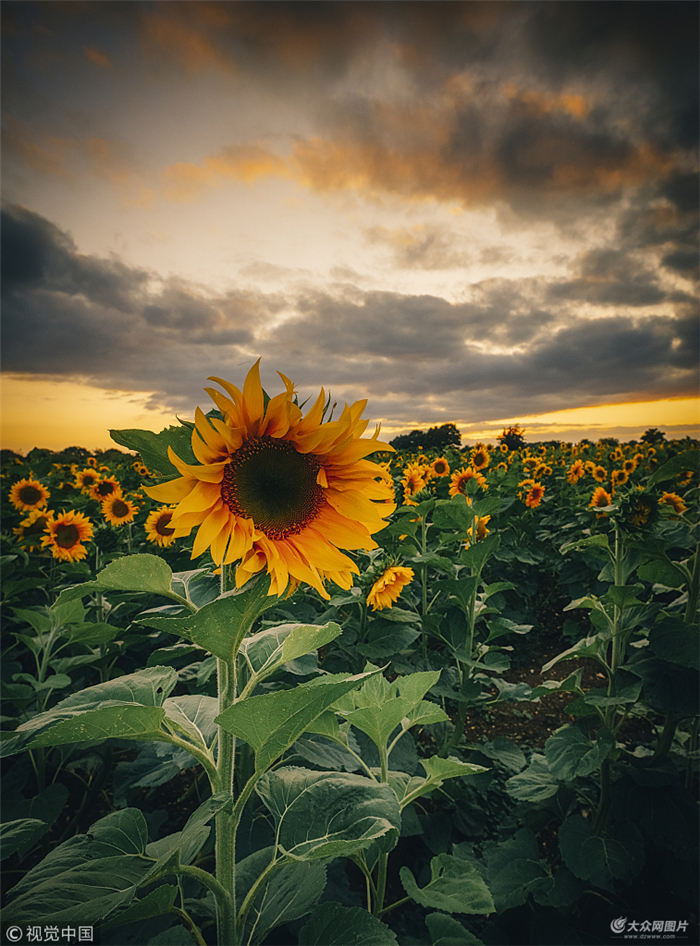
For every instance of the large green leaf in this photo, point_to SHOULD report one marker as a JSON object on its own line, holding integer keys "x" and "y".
{"x": 378, "y": 707}
{"x": 116, "y": 721}
{"x": 193, "y": 715}
{"x": 617, "y": 856}
{"x": 332, "y": 924}
{"x": 268, "y": 650}
{"x": 289, "y": 892}
{"x": 688, "y": 460}
{"x": 455, "y": 887}
{"x": 272, "y": 722}
{"x": 86, "y": 878}
{"x": 446, "y": 931}
{"x": 22, "y": 833}
{"x": 154, "y": 447}
{"x": 327, "y": 814}
{"x": 570, "y": 754}
{"x": 147, "y": 688}
{"x": 138, "y": 572}
{"x": 535, "y": 784}
{"x": 155, "y": 903}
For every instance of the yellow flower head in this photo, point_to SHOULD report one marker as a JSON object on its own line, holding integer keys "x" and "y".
{"x": 86, "y": 479}
{"x": 389, "y": 586}
{"x": 440, "y": 467}
{"x": 66, "y": 535}
{"x": 117, "y": 510}
{"x": 157, "y": 526}
{"x": 28, "y": 494}
{"x": 600, "y": 498}
{"x": 34, "y": 526}
{"x": 461, "y": 477}
{"x": 277, "y": 489}
{"x": 534, "y": 496}
{"x": 480, "y": 457}
{"x": 576, "y": 471}
{"x": 481, "y": 531}
{"x": 105, "y": 488}
{"x": 674, "y": 501}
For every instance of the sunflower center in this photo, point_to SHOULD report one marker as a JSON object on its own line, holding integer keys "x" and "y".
{"x": 30, "y": 495}
{"x": 162, "y": 524}
{"x": 269, "y": 482}
{"x": 66, "y": 536}
{"x": 105, "y": 488}
{"x": 120, "y": 509}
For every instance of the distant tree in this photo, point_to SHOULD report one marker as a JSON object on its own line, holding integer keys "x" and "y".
{"x": 610, "y": 441}
{"x": 435, "y": 438}
{"x": 653, "y": 435}
{"x": 512, "y": 437}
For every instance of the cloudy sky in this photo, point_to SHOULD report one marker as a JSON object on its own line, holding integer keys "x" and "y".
{"x": 481, "y": 213}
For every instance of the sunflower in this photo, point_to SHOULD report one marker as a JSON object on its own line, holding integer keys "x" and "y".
{"x": 619, "y": 477}
{"x": 600, "y": 474}
{"x": 575, "y": 472}
{"x": 106, "y": 489}
{"x": 28, "y": 494}
{"x": 66, "y": 534}
{"x": 480, "y": 457}
{"x": 86, "y": 479}
{"x": 413, "y": 481}
{"x": 157, "y": 526}
{"x": 600, "y": 498}
{"x": 481, "y": 530}
{"x": 389, "y": 586}
{"x": 674, "y": 501}
{"x": 440, "y": 467}
{"x": 534, "y": 496}
{"x": 33, "y": 526}
{"x": 92, "y": 461}
{"x": 503, "y": 448}
{"x": 460, "y": 478}
{"x": 275, "y": 488}
{"x": 629, "y": 466}
{"x": 117, "y": 510}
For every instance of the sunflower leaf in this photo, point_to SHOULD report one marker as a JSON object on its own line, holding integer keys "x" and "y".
{"x": 154, "y": 447}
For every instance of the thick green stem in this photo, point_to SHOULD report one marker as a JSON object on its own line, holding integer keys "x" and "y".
{"x": 602, "y": 814}
{"x": 691, "y": 608}
{"x": 383, "y": 860}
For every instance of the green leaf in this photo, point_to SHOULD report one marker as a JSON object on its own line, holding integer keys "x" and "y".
{"x": 220, "y": 626}
{"x": 290, "y": 892}
{"x": 379, "y": 706}
{"x": 571, "y": 684}
{"x": 272, "y": 722}
{"x": 148, "y": 688}
{"x": 121, "y": 721}
{"x": 515, "y": 870}
{"x": 138, "y": 572}
{"x": 617, "y": 856}
{"x": 535, "y": 784}
{"x": 269, "y": 649}
{"x": 446, "y": 931}
{"x": 455, "y": 887}
{"x": 596, "y": 543}
{"x": 85, "y": 879}
{"x": 624, "y": 596}
{"x": 22, "y": 833}
{"x": 587, "y": 647}
{"x": 154, "y": 447}
{"x": 327, "y": 814}
{"x": 689, "y": 460}
{"x": 183, "y": 846}
{"x": 570, "y": 754}
{"x": 332, "y": 924}
{"x": 385, "y": 639}
{"x": 477, "y": 555}
{"x": 193, "y": 715}
{"x": 437, "y": 770}
{"x": 662, "y": 572}
{"x": 675, "y": 641}
{"x": 93, "y": 634}
{"x": 156, "y": 903}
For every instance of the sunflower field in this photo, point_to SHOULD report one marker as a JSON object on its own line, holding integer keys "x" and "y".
{"x": 267, "y": 680}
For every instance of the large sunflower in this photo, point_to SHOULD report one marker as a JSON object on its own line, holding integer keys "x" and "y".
{"x": 28, "y": 494}
{"x": 275, "y": 488}
{"x": 460, "y": 478}
{"x": 66, "y": 535}
{"x": 106, "y": 488}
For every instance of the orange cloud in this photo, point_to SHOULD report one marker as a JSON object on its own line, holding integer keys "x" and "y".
{"x": 49, "y": 156}
{"x": 539, "y": 103}
{"x": 98, "y": 58}
{"x": 184, "y": 44}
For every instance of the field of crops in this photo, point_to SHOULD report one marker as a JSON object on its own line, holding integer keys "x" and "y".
{"x": 451, "y": 697}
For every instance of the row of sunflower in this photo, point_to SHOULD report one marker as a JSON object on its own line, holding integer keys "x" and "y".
{"x": 95, "y": 503}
